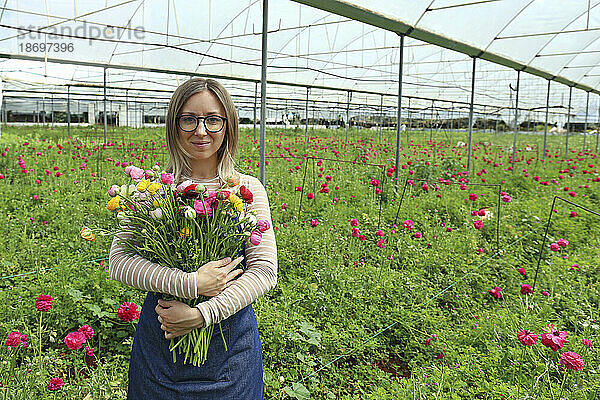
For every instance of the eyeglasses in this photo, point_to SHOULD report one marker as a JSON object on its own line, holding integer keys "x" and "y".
{"x": 189, "y": 123}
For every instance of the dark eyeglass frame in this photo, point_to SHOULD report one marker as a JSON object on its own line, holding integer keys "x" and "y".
{"x": 197, "y": 118}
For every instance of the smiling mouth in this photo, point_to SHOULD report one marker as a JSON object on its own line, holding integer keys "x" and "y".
{"x": 200, "y": 143}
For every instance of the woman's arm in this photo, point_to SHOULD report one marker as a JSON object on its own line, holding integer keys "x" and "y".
{"x": 140, "y": 273}
{"x": 261, "y": 263}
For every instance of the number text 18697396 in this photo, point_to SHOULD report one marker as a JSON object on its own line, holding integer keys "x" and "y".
{"x": 34, "y": 47}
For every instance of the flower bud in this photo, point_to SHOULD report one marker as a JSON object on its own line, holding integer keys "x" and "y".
{"x": 189, "y": 213}
{"x": 114, "y": 190}
{"x": 156, "y": 168}
{"x": 156, "y": 213}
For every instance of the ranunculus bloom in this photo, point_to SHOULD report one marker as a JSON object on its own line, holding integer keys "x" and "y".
{"x": 166, "y": 178}
{"x": 408, "y": 224}
{"x": 545, "y": 293}
{"x": 314, "y": 222}
{"x": 522, "y": 271}
{"x": 310, "y": 196}
{"x": 587, "y": 342}
{"x": 89, "y": 351}
{"x": 128, "y": 311}
{"x": 114, "y": 190}
{"x": 572, "y": 360}
{"x": 44, "y": 302}
{"x": 354, "y": 222}
{"x": 418, "y": 235}
{"x": 554, "y": 339}
{"x": 13, "y": 339}
{"x": 263, "y": 225}
{"x": 478, "y": 224}
{"x": 381, "y": 243}
{"x": 379, "y": 233}
{"x": 573, "y": 214}
{"x": 202, "y": 208}
{"x": 362, "y": 238}
{"x": 554, "y": 247}
{"x": 506, "y": 198}
{"x": 355, "y": 232}
{"x": 496, "y": 292}
{"x": 526, "y": 289}
{"x": 473, "y": 196}
{"x": 75, "y": 340}
{"x": 137, "y": 174}
{"x": 156, "y": 213}
{"x": 246, "y": 194}
{"x": 87, "y": 331}
{"x": 527, "y": 337}
{"x": 255, "y": 237}
{"x": 56, "y": 383}
{"x": 562, "y": 242}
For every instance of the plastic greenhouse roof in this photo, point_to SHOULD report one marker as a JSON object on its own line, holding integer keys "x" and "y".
{"x": 150, "y": 44}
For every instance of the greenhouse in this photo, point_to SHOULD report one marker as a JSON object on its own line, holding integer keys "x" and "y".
{"x": 429, "y": 171}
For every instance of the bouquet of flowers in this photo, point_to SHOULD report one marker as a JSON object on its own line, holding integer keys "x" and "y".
{"x": 184, "y": 226}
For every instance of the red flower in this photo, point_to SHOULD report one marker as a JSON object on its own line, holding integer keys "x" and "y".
{"x": 554, "y": 339}
{"x": 572, "y": 361}
{"x": 527, "y": 337}
{"x": 478, "y": 224}
{"x": 526, "y": 289}
{"x": 128, "y": 312}
{"x": 522, "y": 271}
{"x": 14, "y": 339}
{"x": 246, "y": 194}
{"x": 44, "y": 302}
{"x": 87, "y": 331}
{"x": 496, "y": 292}
{"x": 310, "y": 196}
{"x": 75, "y": 340}
{"x": 55, "y": 383}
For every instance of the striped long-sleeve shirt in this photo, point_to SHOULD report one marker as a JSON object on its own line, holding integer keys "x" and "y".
{"x": 259, "y": 277}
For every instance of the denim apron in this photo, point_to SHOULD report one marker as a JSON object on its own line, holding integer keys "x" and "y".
{"x": 235, "y": 374}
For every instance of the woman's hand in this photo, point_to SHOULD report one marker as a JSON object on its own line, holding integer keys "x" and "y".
{"x": 177, "y": 318}
{"x": 213, "y": 277}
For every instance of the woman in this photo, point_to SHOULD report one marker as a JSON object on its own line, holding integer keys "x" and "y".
{"x": 202, "y": 139}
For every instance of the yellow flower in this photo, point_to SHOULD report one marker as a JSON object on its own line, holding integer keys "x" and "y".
{"x": 186, "y": 232}
{"x": 143, "y": 185}
{"x": 233, "y": 198}
{"x": 153, "y": 187}
{"x": 155, "y": 203}
{"x": 239, "y": 206}
{"x": 113, "y": 203}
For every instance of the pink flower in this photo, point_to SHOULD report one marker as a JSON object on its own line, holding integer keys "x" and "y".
{"x": 87, "y": 331}
{"x": 522, "y": 271}
{"x": 75, "y": 340}
{"x": 572, "y": 361}
{"x": 573, "y": 214}
{"x": 137, "y": 174}
{"x": 56, "y": 383}
{"x": 263, "y": 225}
{"x": 425, "y": 187}
{"x": 554, "y": 247}
{"x": 354, "y": 222}
{"x": 478, "y": 224}
{"x": 381, "y": 243}
{"x": 527, "y": 337}
{"x": 166, "y": 179}
{"x": 573, "y": 194}
{"x": 526, "y": 289}
{"x": 202, "y": 208}
{"x": 113, "y": 190}
{"x": 562, "y": 242}
{"x": 255, "y": 237}
{"x": 314, "y": 223}
{"x": 473, "y": 196}
{"x": 506, "y": 198}
{"x": 554, "y": 339}
{"x": 44, "y": 302}
{"x": 284, "y": 207}
{"x": 496, "y": 292}
{"x": 355, "y": 232}
{"x": 418, "y": 235}
{"x": 36, "y": 197}
{"x": 379, "y": 233}
{"x": 545, "y": 293}
{"x": 310, "y": 196}
{"x": 128, "y": 312}
{"x": 408, "y": 224}
{"x": 14, "y": 339}
{"x": 362, "y": 238}
{"x": 587, "y": 342}
{"x": 89, "y": 351}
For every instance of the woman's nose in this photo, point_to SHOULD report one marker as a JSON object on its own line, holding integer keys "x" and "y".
{"x": 200, "y": 130}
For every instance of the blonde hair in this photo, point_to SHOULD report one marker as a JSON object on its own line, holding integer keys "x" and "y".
{"x": 178, "y": 163}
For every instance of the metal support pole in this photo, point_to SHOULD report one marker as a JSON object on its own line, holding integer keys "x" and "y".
{"x": 431, "y": 121}
{"x": 546, "y": 123}
{"x": 263, "y": 90}
{"x": 348, "y": 114}
{"x": 69, "y": 111}
{"x": 306, "y": 114}
{"x": 587, "y": 102}
{"x": 598, "y": 127}
{"x": 255, "y": 97}
{"x": 381, "y": 120}
{"x": 514, "y": 152}
{"x": 399, "y": 123}
{"x": 104, "y": 100}
{"x": 568, "y": 122}
{"x": 408, "y": 126}
{"x": 471, "y": 117}
{"x": 127, "y": 110}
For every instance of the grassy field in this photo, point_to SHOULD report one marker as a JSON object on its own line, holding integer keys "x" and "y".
{"x": 408, "y": 312}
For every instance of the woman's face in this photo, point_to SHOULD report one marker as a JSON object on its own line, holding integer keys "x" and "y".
{"x": 202, "y": 144}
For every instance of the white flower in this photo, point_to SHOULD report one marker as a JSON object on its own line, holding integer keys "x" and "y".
{"x": 189, "y": 213}
{"x": 156, "y": 213}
